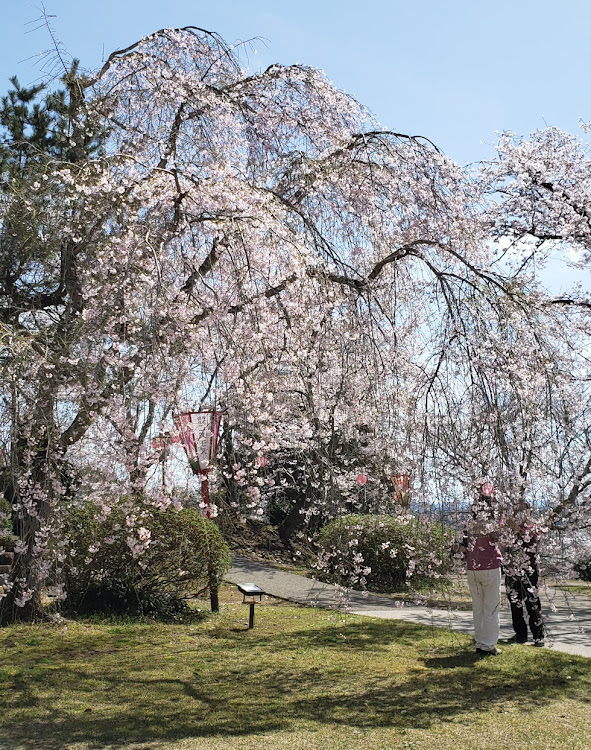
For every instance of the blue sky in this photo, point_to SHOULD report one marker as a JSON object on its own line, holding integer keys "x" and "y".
{"x": 454, "y": 71}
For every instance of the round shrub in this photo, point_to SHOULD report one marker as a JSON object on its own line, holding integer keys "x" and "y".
{"x": 383, "y": 553}
{"x": 170, "y": 557}
{"x": 583, "y": 568}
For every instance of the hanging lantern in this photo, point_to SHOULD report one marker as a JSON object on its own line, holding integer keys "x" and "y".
{"x": 361, "y": 479}
{"x": 161, "y": 442}
{"x": 199, "y": 431}
{"x": 487, "y": 489}
{"x": 401, "y": 484}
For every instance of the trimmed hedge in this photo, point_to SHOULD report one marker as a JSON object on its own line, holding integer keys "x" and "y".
{"x": 185, "y": 555}
{"x": 384, "y": 553}
{"x": 583, "y": 568}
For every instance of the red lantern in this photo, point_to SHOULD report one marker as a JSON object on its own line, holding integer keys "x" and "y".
{"x": 199, "y": 431}
{"x": 159, "y": 443}
{"x": 361, "y": 479}
{"x": 487, "y": 489}
{"x": 401, "y": 484}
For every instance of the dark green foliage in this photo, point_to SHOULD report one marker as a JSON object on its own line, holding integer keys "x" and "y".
{"x": 400, "y": 550}
{"x": 303, "y": 478}
{"x": 37, "y": 125}
{"x": 185, "y": 555}
{"x": 583, "y": 568}
{"x": 41, "y": 132}
{"x": 5, "y": 520}
{"x": 25, "y": 124}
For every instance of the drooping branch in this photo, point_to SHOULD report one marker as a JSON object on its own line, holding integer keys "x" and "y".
{"x": 567, "y": 301}
{"x": 132, "y": 48}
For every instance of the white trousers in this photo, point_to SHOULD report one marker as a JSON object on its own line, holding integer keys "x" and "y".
{"x": 485, "y": 589}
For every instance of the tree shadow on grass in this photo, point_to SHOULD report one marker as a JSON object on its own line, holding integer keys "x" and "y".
{"x": 365, "y": 635}
{"x": 323, "y": 675}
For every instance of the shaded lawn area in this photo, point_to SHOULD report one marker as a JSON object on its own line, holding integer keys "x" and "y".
{"x": 303, "y": 678}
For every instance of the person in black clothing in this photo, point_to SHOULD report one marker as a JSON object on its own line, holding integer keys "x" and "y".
{"x": 522, "y": 576}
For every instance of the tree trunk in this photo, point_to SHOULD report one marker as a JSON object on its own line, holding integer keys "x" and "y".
{"x": 25, "y": 581}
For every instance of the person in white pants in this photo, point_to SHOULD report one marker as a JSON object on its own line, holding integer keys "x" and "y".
{"x": 485, "y": 589}
{"x": 483, "y": 563}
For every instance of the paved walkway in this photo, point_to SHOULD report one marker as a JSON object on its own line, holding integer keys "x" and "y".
{"x": 568, "y": 619}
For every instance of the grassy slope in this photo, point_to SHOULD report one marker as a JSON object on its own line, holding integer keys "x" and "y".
{"x": 303, "y": 678}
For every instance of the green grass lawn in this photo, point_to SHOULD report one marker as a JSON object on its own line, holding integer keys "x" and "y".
{"x": 579, "y": 588}
{"x": 302, "y": 678}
